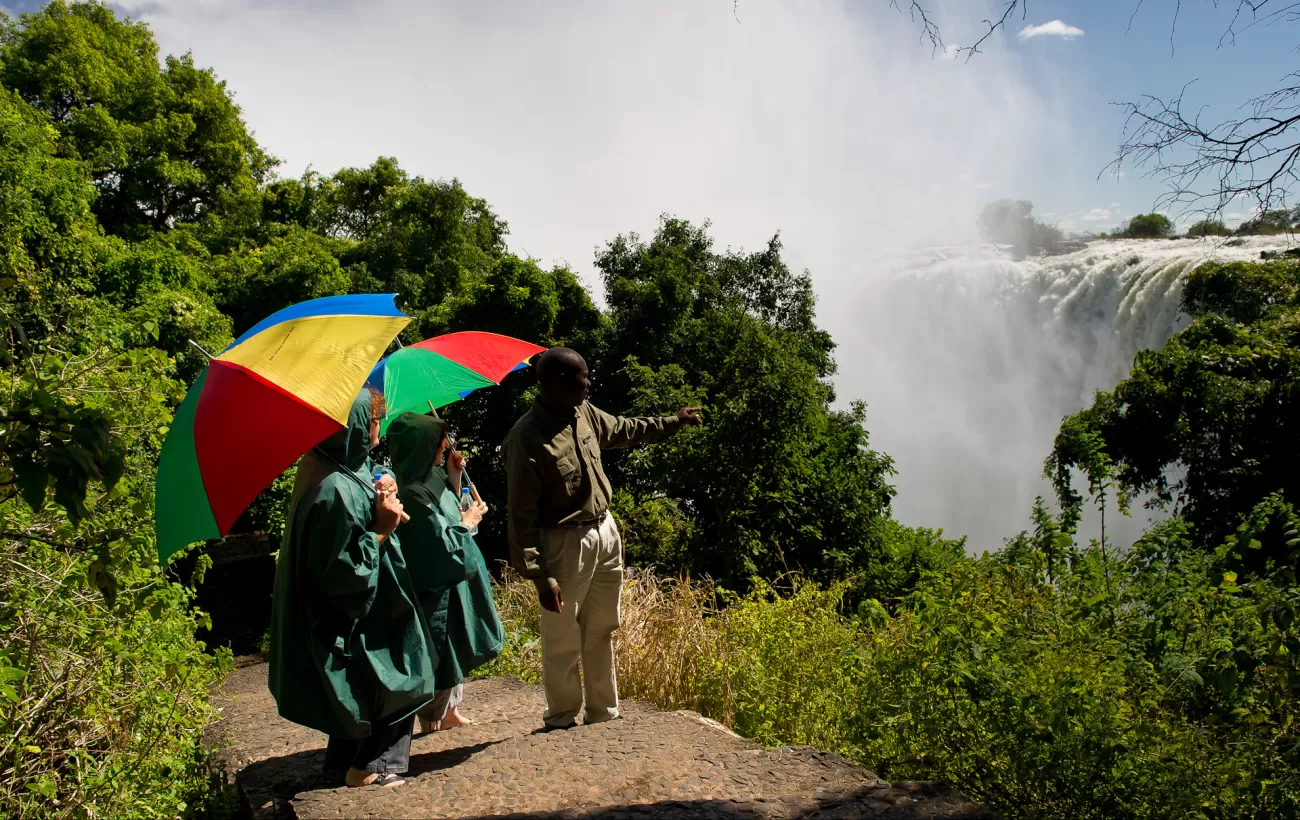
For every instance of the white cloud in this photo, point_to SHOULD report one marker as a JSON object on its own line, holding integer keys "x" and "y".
{"x": 1056, "y": 28}
{"x": 1114, "y": 204}
{"x": 1097, "y": 215}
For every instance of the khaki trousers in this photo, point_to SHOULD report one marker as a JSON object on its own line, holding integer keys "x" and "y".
{"x": 588, "y": 564}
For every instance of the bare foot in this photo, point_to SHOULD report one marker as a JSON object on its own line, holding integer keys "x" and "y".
{"x": 452, "y": 720}
{"x": 360, "y": 777}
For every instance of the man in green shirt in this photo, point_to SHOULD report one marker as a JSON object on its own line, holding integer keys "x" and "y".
{"x": 562, "y": 536}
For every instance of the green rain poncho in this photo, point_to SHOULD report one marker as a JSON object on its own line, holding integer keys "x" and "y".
{"x": 348, "y": 648}
{"x": 448, "y": 570}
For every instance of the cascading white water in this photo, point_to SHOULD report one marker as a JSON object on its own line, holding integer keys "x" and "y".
{"x": 968, "y": 360}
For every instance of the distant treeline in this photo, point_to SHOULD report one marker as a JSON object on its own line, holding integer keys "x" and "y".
{"x": 1011, "y": 222}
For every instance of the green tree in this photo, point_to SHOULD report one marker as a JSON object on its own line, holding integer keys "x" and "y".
{"x": 164, "y": 144}
{"x": 291, "y": 268}
{"x": 1268, "y": 223}
{"x": 49, "y": 241}
{"x": 1209, "y": 422}
{"x": 417, "y": 238}
{"x": 1148, "y": 226}
{"x": 776, "y": 481}
{"x": 1209, "y": 227}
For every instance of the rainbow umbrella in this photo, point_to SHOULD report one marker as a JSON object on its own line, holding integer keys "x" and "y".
{"x": 445, "y": 369}
{"x": 279, "y": 390}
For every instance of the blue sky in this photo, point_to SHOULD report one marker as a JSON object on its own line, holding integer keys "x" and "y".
{"x": 1119, "y": 57}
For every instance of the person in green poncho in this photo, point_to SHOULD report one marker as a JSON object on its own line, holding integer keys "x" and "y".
{"x": 349, "y": 653}
{"x": 446, "y": 565}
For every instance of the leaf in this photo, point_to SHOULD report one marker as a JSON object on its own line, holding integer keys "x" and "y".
{"x": 1230, "y": 577}
{"x": 107, "y": 584}
{"x": 32, "y": 749}
{"x": 33, "y": 481}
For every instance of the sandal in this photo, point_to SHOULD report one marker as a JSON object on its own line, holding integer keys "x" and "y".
{"x": 384, "y": 781}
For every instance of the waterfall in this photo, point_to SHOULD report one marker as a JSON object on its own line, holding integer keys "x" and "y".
{"x": 969, "y": 359}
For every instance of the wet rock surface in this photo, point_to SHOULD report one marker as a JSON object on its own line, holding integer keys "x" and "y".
{"x": 650, "y": 764}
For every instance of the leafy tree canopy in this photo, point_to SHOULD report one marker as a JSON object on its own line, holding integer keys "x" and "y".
{"x": 1207, "y": 424}
{"x": 164, "y": 143}
{"x": 1148, "y": 226}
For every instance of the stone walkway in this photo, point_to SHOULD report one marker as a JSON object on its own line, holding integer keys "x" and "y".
{"x": 651, "y": 764}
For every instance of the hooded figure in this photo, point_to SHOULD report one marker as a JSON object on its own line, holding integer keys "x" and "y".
{"x": 349, "y": 656}
{"x": 446, "y": 566}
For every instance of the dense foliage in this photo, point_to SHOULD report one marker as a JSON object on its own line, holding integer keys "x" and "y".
{"x": 1270, "y": 222}
{"x": 1208, "y": 227}
{"x": 1209, "y": 424}
{"x": 1054, "y": 678}
{"x": 1147, "y": 226}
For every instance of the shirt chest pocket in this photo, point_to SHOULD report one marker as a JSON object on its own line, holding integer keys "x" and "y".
{"x": 570, "y": 471}
{"x": 591, "y": 448}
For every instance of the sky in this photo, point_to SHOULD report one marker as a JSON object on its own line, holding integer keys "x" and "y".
{"x": 832, "y": 123}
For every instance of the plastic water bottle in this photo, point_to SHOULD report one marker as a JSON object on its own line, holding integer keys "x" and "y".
{"x": 466, "y": 501}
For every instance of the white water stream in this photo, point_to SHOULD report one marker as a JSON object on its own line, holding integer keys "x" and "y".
{"x": 968, "y": 360}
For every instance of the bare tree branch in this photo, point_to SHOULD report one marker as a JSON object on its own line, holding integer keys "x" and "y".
{"x": 1133, "y": 16}
{"x": 1007, "y": 11}
{"x": 929, "y": 31}
{"x": 1205, "y": 168}
{"x": 1254, "y": 155}
{"x": 1287, "y": 12}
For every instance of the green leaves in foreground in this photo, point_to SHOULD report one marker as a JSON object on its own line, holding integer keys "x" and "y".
{"x": 50, "y": 442}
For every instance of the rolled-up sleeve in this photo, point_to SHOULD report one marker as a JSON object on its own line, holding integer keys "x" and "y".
{"x": 616, "y": 432}
{"x": 523, "y": 494}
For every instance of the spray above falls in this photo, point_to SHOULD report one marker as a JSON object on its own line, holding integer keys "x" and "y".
{"x": 969, "y": 359}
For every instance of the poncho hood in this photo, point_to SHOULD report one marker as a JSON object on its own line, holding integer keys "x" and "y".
{"x": 413, "y": 441}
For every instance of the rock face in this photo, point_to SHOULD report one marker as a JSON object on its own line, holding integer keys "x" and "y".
{"x": 650, "y": 764}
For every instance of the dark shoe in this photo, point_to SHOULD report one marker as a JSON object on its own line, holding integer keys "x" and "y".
{"x": 546, "y": 727}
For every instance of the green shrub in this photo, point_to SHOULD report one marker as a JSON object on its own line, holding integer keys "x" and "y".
{"x": 103, "y": 687}
{"x": 1269, "y": 223}
{"x": 1035, "y": 693}
{"x": 1209, "y": 227}
{"x": 1148, "y": 226}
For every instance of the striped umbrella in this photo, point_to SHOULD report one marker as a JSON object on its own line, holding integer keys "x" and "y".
{"x": 279, "y": 390}
{"x": 446, "y": 369}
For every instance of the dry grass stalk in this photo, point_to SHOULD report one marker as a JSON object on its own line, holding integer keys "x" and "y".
{"x": 669, "y": 648}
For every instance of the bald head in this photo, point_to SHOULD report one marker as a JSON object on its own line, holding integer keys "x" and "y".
{"x": 562, "y": 377}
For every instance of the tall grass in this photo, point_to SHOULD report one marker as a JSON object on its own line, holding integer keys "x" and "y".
{"x": 771, "y": 666}
{"x": 985, "y": 677}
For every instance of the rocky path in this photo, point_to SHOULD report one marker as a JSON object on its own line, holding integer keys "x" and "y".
{"x": 651, "y": 764}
